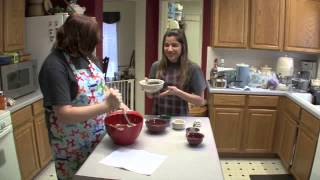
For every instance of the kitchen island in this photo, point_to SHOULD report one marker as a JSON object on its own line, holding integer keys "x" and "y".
{"x": 183, "y": 161}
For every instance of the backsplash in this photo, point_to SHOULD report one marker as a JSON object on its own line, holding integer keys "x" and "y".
{"x": 253, "y": 57}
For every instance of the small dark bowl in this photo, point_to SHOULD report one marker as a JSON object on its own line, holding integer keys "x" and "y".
{"x": 189, "y": 129}
{"x": 156, "y": 125}
{"x": 195, "y": 138}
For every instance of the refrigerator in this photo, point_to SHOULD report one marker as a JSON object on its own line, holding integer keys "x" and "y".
{"x": 40, "y": 35}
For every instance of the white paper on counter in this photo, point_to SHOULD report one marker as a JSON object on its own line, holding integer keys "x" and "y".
{"x": 138, "y": 161}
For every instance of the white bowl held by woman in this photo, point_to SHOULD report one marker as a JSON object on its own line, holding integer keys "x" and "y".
{"x": 151, "y": 85}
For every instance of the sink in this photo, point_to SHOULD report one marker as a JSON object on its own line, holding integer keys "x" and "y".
{"x": 305, "y": 96}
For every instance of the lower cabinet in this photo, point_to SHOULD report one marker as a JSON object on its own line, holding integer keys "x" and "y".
{"x": 31, "y": 139}
{"x": 227, "y": 126}
{"x": 306, "y": 144}
{"x": 243, "y": 123}
{"x": 288, "y": 139}
{"x": 259, "y": 130}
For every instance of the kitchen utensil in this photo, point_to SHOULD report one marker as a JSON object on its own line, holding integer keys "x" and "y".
{"x": 118, "y": 129}
{"x": 127, "y": 119}
{"x": 156, "y": 125}
{"x": 195, "y": 138}
{"x": 151, "y": 85}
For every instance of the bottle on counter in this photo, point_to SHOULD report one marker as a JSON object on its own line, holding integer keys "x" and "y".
{"x": 214, "y": 73}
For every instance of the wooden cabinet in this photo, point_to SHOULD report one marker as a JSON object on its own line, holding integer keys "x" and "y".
{"x": 259, "y": 125}
{"x": 25, "y": 141}
{"x": 307, "y": 137}
{"x": 44, "y": 149}
{"x": 243, "y": 123}
{"x": 288, "y": 139}
{"x": 291, "y": 25}
{"x": 230, "y": 23}
{"x": 302, "y": 26}
{"x": 13, "y": 25}
{"x": 1, "y": 27}
{"x": 227, "y": 128}
{"x": 31, "y": 139}
{"x": 267, "y": 24}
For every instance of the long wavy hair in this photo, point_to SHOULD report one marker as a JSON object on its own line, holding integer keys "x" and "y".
{"x": 78, "y": 36}
{"x": 183, "y": 60}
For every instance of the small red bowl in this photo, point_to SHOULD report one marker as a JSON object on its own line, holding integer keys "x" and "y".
{"x": 156, "y": 125}
{"x": 119, "y": 130}
{"x": 195, "y": 138}
{"x": 191, "y": 129}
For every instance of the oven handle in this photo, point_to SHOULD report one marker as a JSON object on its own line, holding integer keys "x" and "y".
{"x": 5, "y": 131}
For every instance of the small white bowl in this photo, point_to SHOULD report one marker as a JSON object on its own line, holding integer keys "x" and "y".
{"x": 151, "y": 85}
{"x": 178, "y": 124}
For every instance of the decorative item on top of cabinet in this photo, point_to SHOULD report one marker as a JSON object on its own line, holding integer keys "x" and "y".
{"x": 230, "y": 27}
{"x": 302, "y": 26}
{"x": 267, "y": 24}
{"x": 13, "y": 25}
{"x": 307, "y": 137}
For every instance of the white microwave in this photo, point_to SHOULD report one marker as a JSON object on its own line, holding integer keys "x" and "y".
{"x": 18, "y": 79}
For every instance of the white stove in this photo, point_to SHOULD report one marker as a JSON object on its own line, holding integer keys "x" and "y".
{"x": 9, "y": 167}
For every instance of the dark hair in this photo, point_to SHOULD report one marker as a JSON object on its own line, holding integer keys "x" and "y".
{"x": 183, "y": 59}
{"x": 78, "y": 36}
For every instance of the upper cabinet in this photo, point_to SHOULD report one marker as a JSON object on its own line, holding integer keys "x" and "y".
{"x": 13, "y": 25}
{"x": 291, "y": 25}
{"x": 302, "y": 31}
{"x": 267, "y": 24}
{"x": 230, "y": 23}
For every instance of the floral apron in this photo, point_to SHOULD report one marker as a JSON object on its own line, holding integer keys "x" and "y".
{"x": 73, "y": 143}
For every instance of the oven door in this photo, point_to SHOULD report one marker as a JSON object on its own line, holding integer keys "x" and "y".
{"x": 19, "y": 79}
{"x": 9, "y": 167}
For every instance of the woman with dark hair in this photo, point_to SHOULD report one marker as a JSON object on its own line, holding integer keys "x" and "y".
{"x": 184, "y": 81}
{"x": 76, "y": 98}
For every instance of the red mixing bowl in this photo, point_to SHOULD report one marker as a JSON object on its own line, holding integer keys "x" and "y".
{"x": 119, "y": 130}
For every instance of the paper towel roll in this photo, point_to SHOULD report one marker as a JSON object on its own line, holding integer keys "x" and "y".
{"x": 285, "y": 66}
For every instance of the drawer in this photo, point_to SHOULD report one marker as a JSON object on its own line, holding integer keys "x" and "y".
{"x": 228, "y": 99}
{"x": 37, "y": 107}
{"x": 292, "y": 109}
{"x": 22, "y": 116}
{"x": 263, "y": 101}
{"x": 310, "y": 122}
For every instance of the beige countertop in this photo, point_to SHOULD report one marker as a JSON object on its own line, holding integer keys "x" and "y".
{"x": 25, "y": 101}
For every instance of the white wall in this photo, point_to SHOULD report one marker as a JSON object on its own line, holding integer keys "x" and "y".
{"x": 252, "y": 57}
{"x": 126, "y": 28}
{"x": 140, "y": 31}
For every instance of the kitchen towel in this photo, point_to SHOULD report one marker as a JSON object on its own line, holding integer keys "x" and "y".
{"x": 138, "y": 161}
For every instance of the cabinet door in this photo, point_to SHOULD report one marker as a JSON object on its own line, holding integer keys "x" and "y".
{"x": 304, "y": 155}
{"x": 302, "y": 26}
{"x": 259, "y": 130}
{"x": 1, "y": 29}
{"x": 267, "y": 24}
{"x": 14, "y": 24}
{"x": 230, "y": 23}
{"x": 26, "y": 150}
{"x": 227, "y": 125}
{"x": 44, "y": 148}
{"x": 288, "y": 139}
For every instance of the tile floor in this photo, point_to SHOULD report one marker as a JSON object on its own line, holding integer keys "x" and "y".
{"x": 49, "y": 173}
{"x": 233, "y": 168}
{"x": 240, "y": 169}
